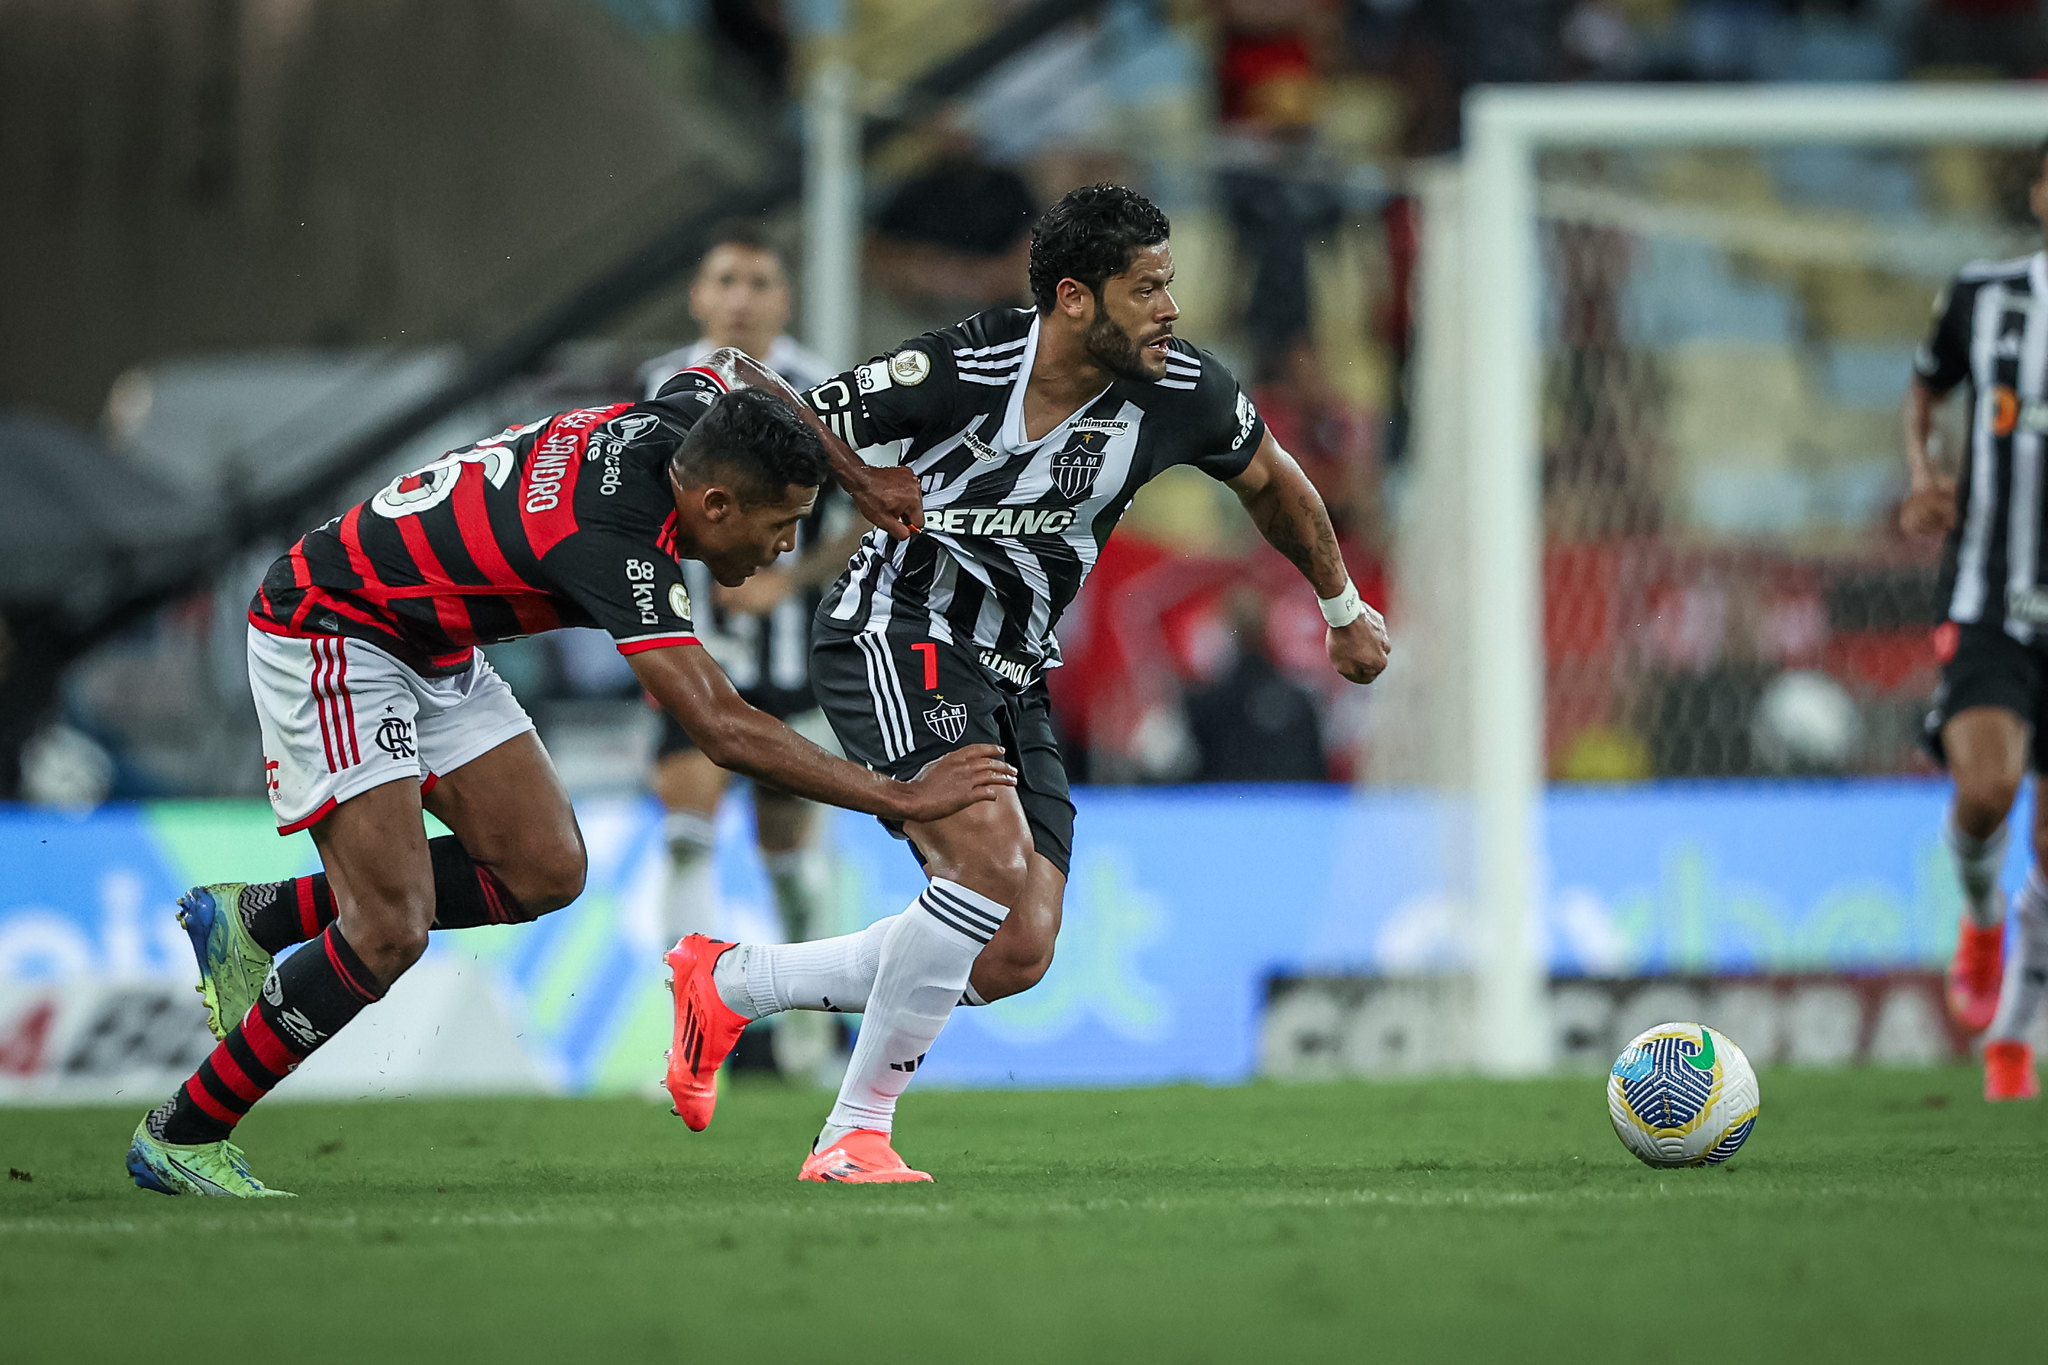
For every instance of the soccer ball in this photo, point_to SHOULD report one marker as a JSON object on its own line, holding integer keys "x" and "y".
{"x": 1806, "y": 722}
{"x": 1682, "y": 1095}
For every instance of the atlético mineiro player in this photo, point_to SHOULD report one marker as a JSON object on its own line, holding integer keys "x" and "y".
{"x": 375, "y": 705}
{"x": 1030, "y": 431}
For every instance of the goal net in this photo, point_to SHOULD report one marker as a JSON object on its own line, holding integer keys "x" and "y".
{"x": 1652, "y": 516}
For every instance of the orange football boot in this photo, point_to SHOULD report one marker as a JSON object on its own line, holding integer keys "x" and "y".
{"x": 705, "y": 1030}
{"x": 862, "y": 1157}
{"x": 2009, "y": 1072}
{"x": 1974, "y": 974}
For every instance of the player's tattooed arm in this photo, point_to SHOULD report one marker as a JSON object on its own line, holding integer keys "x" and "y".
{"x": 888, "y": 497}
{"x": 1290, "y": 514}
{"x": 690, "y": 686}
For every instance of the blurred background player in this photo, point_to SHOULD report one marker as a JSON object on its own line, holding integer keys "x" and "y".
{"x": 1991, "y": 329}
{"x": 760, "y": 633}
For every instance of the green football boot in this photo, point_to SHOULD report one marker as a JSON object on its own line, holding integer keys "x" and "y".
{"x": 214, "y": 1169}
{"x": 232, "y": 965}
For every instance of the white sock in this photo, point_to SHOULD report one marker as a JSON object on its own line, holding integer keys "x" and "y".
{"x": 801, "y": 893}
{"x": 930, "y": 949}
{"x": 687, "y": 903}
{"x": 1978, "y": 863}
{"x": 2026, "y": 968}
{"x": 759, "y": 979}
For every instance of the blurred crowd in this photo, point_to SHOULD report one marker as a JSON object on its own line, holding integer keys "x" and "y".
{"x": 1280, "y": 136}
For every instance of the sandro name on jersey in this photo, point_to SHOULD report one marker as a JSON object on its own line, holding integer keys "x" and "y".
{"x": 567, "y": 521}
{"x": 1013, "y": 526}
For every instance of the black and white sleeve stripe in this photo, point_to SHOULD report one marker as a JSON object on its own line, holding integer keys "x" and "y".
{"x": 994, "y": 366}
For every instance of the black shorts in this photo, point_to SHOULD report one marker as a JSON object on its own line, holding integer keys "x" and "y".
{"x": 1990, "y": 668}
{"x": 899, "y": 701}
{"x": 779, "y": 702}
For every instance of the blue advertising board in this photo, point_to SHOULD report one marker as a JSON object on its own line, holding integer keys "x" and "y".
{"x": 1182, "y": 903}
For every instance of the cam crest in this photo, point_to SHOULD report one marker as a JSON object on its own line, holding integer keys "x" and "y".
{"x": 1075, "y": 467}
{"x": 948, "y": 720}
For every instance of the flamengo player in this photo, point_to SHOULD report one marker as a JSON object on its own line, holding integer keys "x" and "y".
{"x": 1030, "y": 431}
{"x": 1989, "y": 723}
{"x": 375, "y": 703}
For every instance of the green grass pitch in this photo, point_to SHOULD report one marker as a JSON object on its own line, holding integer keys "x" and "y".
{"x": 1874, "y": 1216}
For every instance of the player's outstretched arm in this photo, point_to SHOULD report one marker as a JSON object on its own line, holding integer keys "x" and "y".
{"x": 888, "y": 497}
{"x": 735, "y": 736}
{"x": 1290, "y": 514}
{"x": 1929, "y": 508}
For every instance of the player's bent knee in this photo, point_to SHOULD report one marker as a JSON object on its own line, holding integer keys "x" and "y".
{"x": 554, "y": 880}
{"x": 389, "y": 936}
{"x": 1983, "y": 800}
{"x": 1027, "y": 970}
{"x": 1020, "y": 954}
{"x": 999, "y": 974}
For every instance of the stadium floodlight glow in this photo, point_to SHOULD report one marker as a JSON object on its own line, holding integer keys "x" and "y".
{"x": 1497, "y": 350}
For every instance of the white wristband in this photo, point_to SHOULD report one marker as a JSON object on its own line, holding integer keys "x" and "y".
{"x": 1346, "y": 607}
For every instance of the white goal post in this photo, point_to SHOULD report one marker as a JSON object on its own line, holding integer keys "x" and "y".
{"x": 1478, "y": 394}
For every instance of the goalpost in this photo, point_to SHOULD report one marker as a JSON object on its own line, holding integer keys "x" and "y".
{"x": 1474, "y": 562}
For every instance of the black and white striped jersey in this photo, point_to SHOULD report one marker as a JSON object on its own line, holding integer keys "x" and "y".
{"x": 1991, "y": 328}
{"x": 1011, "y": 526}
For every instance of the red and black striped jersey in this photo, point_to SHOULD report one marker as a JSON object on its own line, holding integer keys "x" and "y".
{"x": 567, "y": 521}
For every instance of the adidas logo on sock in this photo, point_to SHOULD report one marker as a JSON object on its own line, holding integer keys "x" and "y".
{"x": 910, "y": 1065}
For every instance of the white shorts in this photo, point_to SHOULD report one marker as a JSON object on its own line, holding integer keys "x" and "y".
{"x": 341, "y": 716}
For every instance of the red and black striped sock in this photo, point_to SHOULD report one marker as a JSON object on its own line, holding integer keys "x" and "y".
{"x": 466, "y": 894}
{"x": 279, "y": 914}
{"x": 306, "y": 1001}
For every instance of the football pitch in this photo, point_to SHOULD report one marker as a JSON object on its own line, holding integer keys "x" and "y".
{"x": 1874, "y": 1216}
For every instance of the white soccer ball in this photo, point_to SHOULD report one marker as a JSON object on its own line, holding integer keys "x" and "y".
{"x": 1806, "y": 722}
{"x": 1682, "y": 1095}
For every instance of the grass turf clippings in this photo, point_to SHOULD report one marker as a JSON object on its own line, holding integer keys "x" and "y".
{"x": 1874, "y": 1216}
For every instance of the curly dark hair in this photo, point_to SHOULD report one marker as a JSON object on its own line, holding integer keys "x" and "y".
{"x": 1090, "y": 235}
{"x": 753, "y": 439}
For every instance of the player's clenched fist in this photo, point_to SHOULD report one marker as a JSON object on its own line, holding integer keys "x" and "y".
{"x": 1359, "y": 651}
{"x": 890, "y": 497}
{"x": 957, "y": 781}
{"x": 1930, "y": 509}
